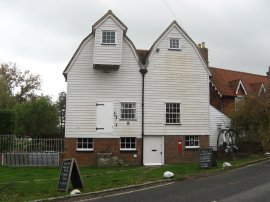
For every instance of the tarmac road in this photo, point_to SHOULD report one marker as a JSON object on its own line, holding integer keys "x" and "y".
{"x": 251, "y": 183}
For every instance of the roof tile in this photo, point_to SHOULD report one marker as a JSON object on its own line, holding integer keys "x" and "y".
{"x": 226, "y": 81}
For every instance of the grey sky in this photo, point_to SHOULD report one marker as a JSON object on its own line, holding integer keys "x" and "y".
{"x": 42, "y": 35}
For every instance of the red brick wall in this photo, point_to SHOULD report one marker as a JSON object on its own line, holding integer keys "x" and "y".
{"x": 229, "y": 105}
{"x": 108, "y": 145}
{"x": 215, "y": 99}
{"x": 112, "y": 145}
{"x": 171, "y": 154}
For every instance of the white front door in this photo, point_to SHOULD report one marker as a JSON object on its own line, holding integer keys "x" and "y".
{"x": 104, "y": 117}
{"x": 153, "y": 150}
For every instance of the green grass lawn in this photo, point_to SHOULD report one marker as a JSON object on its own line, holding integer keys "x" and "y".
{"x": 28, "y": 183}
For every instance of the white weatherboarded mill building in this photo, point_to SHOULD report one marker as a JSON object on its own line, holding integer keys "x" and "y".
{"x": 137, "y": 106}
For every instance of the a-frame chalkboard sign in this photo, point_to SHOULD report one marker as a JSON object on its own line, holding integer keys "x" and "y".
{"x": 206, "y": 158}
{"x": 69, "y": 171}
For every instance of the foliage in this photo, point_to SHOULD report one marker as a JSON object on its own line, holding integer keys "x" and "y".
{"x": 6, "y": 99}
{"x": 36, "y": 118}
{"x": 61, "y": 106}
{"x": 6, "y": 122}
{"x": 253, "y": 117}
{"x": 21, "y": 85}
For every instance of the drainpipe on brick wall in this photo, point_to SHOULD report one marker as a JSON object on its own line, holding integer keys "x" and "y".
{"x": 143, "y": 72}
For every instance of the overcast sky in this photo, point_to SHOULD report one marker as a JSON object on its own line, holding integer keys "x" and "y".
{"x": 42, "y": 35}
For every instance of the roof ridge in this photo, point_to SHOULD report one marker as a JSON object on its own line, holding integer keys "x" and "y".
{"x": 237, "y": 71}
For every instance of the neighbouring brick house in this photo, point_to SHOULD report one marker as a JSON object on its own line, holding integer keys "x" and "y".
{"x": 146, "y": 107}
{"x": 228, "y": 88}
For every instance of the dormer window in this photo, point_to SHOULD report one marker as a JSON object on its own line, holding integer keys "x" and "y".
{"x": 108, "y": 37}
{"x": 175, "y": 43}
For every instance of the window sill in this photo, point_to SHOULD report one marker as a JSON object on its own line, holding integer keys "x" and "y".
{"x": 84, "y": 150}
{"x": 175, "y": 49}
{"x": 110, "y": 44}
{"x": 192, "y": 147}
{"x": 128, "y": 150}
{"x": 127, "y": 119}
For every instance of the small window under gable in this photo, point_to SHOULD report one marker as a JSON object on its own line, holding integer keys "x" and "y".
{"x": 174, "y": 44}
{"x": 108, "y": 37}
{"x": 237, "y": 102}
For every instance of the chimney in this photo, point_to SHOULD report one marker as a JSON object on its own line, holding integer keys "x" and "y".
{"x": 268, "y": 73}
{"x": 204, "y": 52}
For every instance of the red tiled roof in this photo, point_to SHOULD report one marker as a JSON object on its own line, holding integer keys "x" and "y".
{"x": 142, "y": 54}
{"x": 227, "y": 81}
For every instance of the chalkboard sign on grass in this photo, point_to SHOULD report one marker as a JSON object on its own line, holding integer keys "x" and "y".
{"x": 69, "y": 171}
{"x": 206, "y": 158}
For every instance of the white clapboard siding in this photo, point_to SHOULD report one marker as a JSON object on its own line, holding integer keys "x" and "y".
{"x": 176, "y": 76}
{"x": 218, "y": 121}
{"x": 87, "y": 86}
{"x": 108, "y": 54}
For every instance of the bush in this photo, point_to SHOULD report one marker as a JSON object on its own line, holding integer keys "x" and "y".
{"x": 7, "y": 122}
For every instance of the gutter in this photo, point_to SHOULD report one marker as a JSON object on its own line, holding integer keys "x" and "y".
{"x": 143, "y": 72}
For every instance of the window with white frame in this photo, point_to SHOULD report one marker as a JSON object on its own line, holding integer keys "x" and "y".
{"x": 172, "y": 113}
{"x": 128, "y": 110}
{"x": 192, "y": 141}
{"x": 84, "y": 144}
{"x": 108, "y": 37}
{"x": 128, "y": 143}
{"x": 174, "y": 43}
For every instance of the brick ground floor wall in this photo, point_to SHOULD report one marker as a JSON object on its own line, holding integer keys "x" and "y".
{"x": 171, "y": 154}
{"x": 108, "y": 145}
{"x": 112, "y": 145}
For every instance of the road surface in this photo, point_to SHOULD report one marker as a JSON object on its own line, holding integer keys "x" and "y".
{"x": 251, "y": 183}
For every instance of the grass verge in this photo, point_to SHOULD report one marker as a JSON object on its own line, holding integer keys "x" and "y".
{"x": 28, "y": 183}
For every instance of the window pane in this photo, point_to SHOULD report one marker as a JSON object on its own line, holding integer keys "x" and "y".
{"x": 85, "y": 143}
{"x": 128, "y": 143}
{"x": 173, "y": 113}
{"x": 192, "y": 141}
{"x": 108, "y": 36}
{"x": 174, "y": 43}
{"x": 128, "y": 110}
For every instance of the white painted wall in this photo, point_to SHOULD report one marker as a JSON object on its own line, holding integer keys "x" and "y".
{"x": 108, "y": 54}
{"x": 87, "y": 86}
{"x": 217, "y": 120}
{"x": 177, "y": 76}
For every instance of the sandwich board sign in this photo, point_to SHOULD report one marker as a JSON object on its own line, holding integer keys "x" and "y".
{"x": 206, "y": 158}
{"x": 69, "y": 172}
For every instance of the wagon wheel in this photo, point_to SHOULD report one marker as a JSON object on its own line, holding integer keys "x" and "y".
{"x": 235, "y": 138}
{"x": 225, "y": 141}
